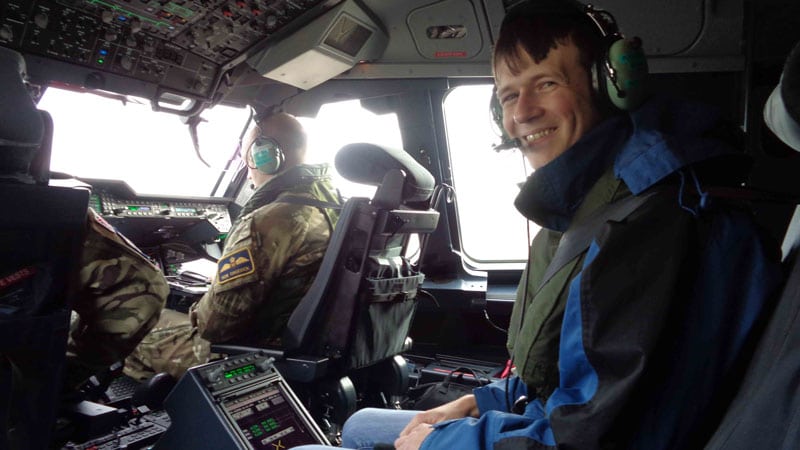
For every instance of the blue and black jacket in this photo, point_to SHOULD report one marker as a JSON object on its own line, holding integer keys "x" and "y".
{"x": 653, "y": 315}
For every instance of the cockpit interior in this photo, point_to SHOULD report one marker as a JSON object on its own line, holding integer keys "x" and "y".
{"x": 397, "y": 93}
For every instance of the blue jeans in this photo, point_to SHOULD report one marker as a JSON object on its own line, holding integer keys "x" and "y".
{"x": 370, "y": 426}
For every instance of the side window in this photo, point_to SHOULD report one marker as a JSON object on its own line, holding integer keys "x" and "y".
{"x": 486, "y": 182}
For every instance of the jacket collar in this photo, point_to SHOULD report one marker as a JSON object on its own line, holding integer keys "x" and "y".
{"x": 552, "y": 193}
{"x": 300, "y": 175}
{"x": 668, "y": 135}
{"x": 646, "y": 146}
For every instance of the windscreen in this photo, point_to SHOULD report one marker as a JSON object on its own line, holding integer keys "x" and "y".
{"x": 120, "y": 138}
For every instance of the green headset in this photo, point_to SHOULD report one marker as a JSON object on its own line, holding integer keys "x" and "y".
{"x": 619, "y": 76}
{"x": 266, "y": 154}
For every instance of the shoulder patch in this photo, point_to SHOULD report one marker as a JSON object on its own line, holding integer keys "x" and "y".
{"x": 235, "y": 265}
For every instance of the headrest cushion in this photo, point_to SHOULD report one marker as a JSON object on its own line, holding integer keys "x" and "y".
{"x": 782, "y": 110}
{"x": 21, "y": 126}
{"x": 367, "y": 163}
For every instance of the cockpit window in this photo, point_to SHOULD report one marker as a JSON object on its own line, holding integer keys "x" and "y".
{"x": 341, "y": 123}
{"x": 104, "y": 137}
{"x": 486, "y": 182}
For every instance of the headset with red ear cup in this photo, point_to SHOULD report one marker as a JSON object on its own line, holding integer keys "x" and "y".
{"x": 267, "y": 155}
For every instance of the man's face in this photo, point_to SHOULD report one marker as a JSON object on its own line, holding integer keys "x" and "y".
{"x": 547, "y": 106}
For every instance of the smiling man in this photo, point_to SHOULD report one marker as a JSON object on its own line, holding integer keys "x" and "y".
{"x": 547, "y": 105}
{"x": 640, "y": 289}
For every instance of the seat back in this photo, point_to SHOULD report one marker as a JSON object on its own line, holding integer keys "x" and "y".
{"x": 765, "y": 412}
{"x": 358, "y": 310}
{"x": 40, "y": 236}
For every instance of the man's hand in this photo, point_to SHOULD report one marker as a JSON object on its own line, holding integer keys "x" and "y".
{"x": 412, "y": 440}
{"x": 420, "y": 426}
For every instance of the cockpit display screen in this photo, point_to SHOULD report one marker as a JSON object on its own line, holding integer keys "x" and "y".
{"x": 138, "y": 208}
{"x": 267, "y": 420}
{"x": 239, "y": 371}
{"x": 182, "y": 209}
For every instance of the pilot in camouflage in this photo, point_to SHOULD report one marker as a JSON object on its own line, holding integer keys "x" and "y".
{"x": 119, "y": 301}
{"x": 271, "y": 256}
{"x": 274, "y": 251}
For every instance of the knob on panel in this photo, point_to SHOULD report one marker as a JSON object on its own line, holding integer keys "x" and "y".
{"x": 214, "y": 375}
{"x": 6, "y": 33}
{"x": 126, "y": 62}
{"x": 41, "y": 20}
{"x": 264, "y": 364}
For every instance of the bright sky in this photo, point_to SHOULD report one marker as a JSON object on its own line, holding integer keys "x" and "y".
{"x": 486, "y": 181}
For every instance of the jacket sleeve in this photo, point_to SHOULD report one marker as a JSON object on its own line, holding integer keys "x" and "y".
{"x": 652, "y": 325}
{"x": 499, "y": 395}
{"x": 255, "y": 256}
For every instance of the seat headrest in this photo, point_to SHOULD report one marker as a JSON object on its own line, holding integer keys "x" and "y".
{"x": 782, "y": 110}
{"x": 368, "y": 163}
{"x": 21, "y": 125}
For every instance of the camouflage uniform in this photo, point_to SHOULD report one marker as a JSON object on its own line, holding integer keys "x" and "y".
{"x": 120, "y": 298}
{"x": 271, "y": 256}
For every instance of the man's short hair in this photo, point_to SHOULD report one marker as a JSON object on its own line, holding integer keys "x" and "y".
{"x": 539, "y": 26}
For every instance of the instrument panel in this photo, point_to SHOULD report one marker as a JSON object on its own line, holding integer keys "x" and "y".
{"x": 111, "y": 206}
{"x": 185, "y": 46}
{"x": 150, "y": 221}
{"x": 241, "y": 402}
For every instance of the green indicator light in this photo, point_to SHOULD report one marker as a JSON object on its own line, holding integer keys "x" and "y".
{"x": 100, "y": 60}
{"x": 240, "y": 371}
{"x": 180, "y": 11}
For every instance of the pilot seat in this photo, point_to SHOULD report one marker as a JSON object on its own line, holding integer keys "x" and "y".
{"x": 342, "y": 344}
{"x": 41, "y": 237}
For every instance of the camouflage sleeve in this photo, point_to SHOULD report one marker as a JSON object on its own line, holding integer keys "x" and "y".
{"x": 120, "y": 298}
{"x": 256, "y": 254}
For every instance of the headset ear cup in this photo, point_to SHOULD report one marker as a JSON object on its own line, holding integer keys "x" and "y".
{"x": 275, "y": 166}
{"x": 268, "y": 159}
{"x": 629, "y": 90}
